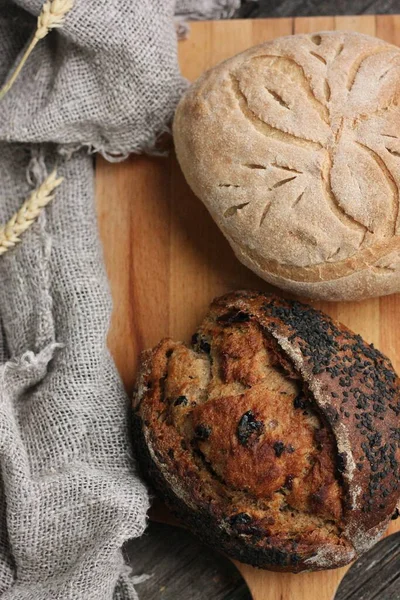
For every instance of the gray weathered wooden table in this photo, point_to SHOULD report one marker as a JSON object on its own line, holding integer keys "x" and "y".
{"x": 181, "y": 568}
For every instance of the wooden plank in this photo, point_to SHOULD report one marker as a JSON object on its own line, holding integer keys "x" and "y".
{"x": 313, "y": 24}
{"x": 166, "y": 259}
{"x": 134, "y": 221}
{"x": 376, "y": 575}
{"x": 264, "y": 30}
{"x": 363, "y": 24}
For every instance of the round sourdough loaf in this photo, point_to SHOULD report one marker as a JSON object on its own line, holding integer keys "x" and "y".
{"x": 294, "y": 147}
{"x": 275, "y": 437}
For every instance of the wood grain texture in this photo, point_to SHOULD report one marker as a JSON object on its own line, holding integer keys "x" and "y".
{"x": 166, "y": 259}
{"x": 376, "y": 575}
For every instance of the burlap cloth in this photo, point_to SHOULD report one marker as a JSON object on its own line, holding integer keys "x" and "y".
{"x": 107, "y": 81}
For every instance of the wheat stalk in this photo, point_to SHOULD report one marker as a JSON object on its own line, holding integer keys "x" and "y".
{"x": 28, "y": 213}
{"x": 51, "y": 16}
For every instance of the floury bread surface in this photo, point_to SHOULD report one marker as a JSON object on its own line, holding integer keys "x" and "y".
{"x": 275, "y": 436}
{"x": 294, "y": 147}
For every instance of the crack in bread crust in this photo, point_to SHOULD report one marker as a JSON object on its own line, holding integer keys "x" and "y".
{"x": 356, "y": 66}
{"x": 304, "y": 82}
{"x": 394, "y": 188}
{"x": 263, "y": 127}
{"x": 333, "y": 201}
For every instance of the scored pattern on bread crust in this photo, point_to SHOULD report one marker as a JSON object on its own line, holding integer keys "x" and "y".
{"x": 279, "y": 429}
{"x": 298, "y": 140}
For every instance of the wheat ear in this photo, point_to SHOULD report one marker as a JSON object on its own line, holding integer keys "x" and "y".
{"x": 52, "y": 15}
{"x": 28, "y": 213}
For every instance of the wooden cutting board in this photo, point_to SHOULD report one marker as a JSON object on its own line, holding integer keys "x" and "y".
{"x": 166, "y": 259}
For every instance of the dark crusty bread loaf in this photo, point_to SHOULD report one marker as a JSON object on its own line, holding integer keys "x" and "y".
{"x": 276, "y": 437}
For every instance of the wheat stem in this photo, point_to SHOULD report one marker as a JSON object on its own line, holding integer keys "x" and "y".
{"x": 51, "y": 16}
{"x": 30, "y": 210}
{"x": 7, "y": 86}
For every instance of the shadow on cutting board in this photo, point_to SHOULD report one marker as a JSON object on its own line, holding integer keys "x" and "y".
{"x": 182, "y": 568}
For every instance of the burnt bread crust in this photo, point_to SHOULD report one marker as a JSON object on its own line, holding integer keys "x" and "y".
{"x": 275, "y": 437}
